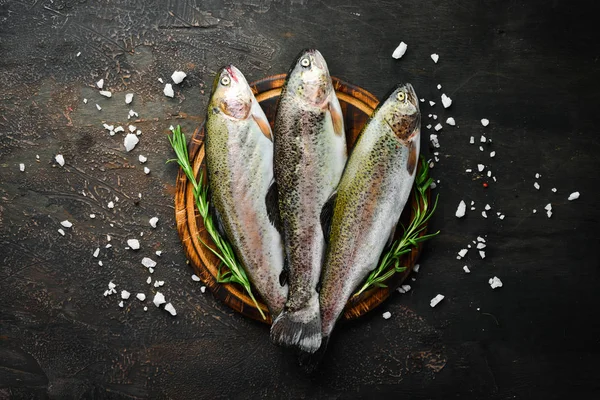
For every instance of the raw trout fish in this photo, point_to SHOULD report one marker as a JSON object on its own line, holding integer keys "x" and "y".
{"x": 310, "y": 155}
{"x": 239, "y": 156}
{"x": 369, "y": 199}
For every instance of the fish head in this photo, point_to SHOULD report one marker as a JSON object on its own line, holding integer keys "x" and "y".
{"x": 309, "y": 78}
{"x": 401, "y": 112}
{"x": 231, "y": 94}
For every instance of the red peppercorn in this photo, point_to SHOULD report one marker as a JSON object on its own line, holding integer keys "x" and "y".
{"x": 485, "y": 184}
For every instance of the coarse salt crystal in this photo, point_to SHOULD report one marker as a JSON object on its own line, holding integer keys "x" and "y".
{"x": 548, "y": 207}
{"x": 434, "y": 302}
{"x": 121, "y": 304}
{"x": 146, "y": 170}
{"x": 59, "y": 159}
{"x": 98, "y": 107}
{"x": 153, "y": 221}
{"x": 489, "y": 174}
{"x": 484, "y": 214}
{"x": 159, "y": 299}
{"x": 100, "y": 83}
{"x": 438, "y": 127}
{"x": 495, "y": 282}
{"x": 482, "y": 139}
{"x": 171, "y": 128}
{"x": 482, "y": 254}
{"x": 554, "y": 190}
{"x": 148, "y": 262}
{"x": 100, "y": 263}
{"x": 92, "y": 216}
{"x": 195, "y": 278}
{"x": 78, "y": 54}
{"x": 446, "y": 101}
{"x": 158, "y": 252}
{"x": 435, "y": 57}
{"x": 22, "y": 167}
{"x": 134, "y": 244}
{"x": 439, "y": 86}
{"x": 431, "y": 103}
{"x": 149, "y": 280}
{"x": 481, "y": 246}
{"x": 537, "y": 175}
{"x": 168, "y": 90}
{"x": 66, "y": 223}
{"x": 485, "y": 122}
{"x": 399, "y": 51}
{"x": 130, "y": 141}
{"x": 61, "y": 231}
{"x": 480, "y": 148}
{"x": 96, "y": 252}
{"x": 480, "y": 239}
{"x": 487, "y": 207}
{"x": 434, "y": 140}
{"x": 387, "y": 315}
{"x": 417, "y": 267}
{"x": 450, "y": 121}
{"x": 573, "y": 196}
{"x": 141, "y": 296}
{"x": 434, "y": 116}
{"x": 534, "y": 210}
{"x": 536, "y": 185}
{"x": 492, "y": 154}
{"x": 111, "y": 204}
{"x": 159, "y": 283}
{"x": 466, "y": 269}
{"x": 105, "y": 93}
{"x": 84, "y": 101}
{"x": 169, "y": 307}
{"x": 404, "y": 289}
{"x": 460, "y": 211}
{"x": 128, "y": 98}
{"x": 422, "y": 100}
{"x": 119, "y": 129}
{"x": 480, "y": 167}
{"x": 428, "y": 126}
{"x": 472, "y": 140}
{"x": 549, "y": 213}
{"x": 160, "y": 80}
{"x": 462, "y": 253}
{"x": 142, "y": 159}
{"x": 203, "y": 289}
{"x": 178, "y": 76}
{"x": 125, "y": 294}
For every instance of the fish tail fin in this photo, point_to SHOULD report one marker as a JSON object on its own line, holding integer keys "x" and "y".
{"x": 310, "y": 362}
{"x": 299, "y": 328}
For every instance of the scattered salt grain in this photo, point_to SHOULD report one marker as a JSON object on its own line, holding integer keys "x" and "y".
{"x": 142, "y": 159}
{"x": 171, "y": 128}
{"x": 466, "y": 269}
{"x": 462, "y": 253}
{"x": 121, "y": 304}
{"x": 148, "y": 262}
{"x": 203, "y": 289}
{"x": 495, "y": 282}
{"x": 422, "y": 100}
{"x": 159, "y": 283}
{"x": 481, "y": 246}
{"x": 98, "y": 107}
{"x": 472, "y": 140}
{"x": 149, "y": 280}
{"x": 434, "y": 116}
{"x": 92, "y": 216}
{"x": 66, "y": 223}
{"x": 153, "y": 221}
{"x": 158, "y": 252}
{"x": 450, "y": 121}
{"x": 96, "y": 252}
{"x": 480, "y": 239}
{"x": 111, "y": 204}
{"x": 387, "y": 315}
{"x": 438, "y": 127}
{"x": 399, "y": 51}
{"x": 140, "y": 296}
{"x": 485, "y": 122}
{"x": 446, "y": 101}
{"x": 573, "y": 196}
{"x": 482, "y": 254}
{"x": 431, "y": 103}
{"x": 168, "y": 90}
{"x": 549, "y": 213}
{"x": 480, "y": 148}
{"x": 428, "y": 126}
{"x": 105, "y": 93}
{"x": 534, "y": 210}
{"x": 484, "y": 214}
{"x": 159, "y": 299}
{"x": 434, "y": 302}
{"x": 132, "y": 114}
{"x": 480, "y": 167}
{"x": 548, "y": 207}
{"x": 537, "y": 175}
{"x": 160, "y": 80}
{"x": 22, "y": 167}
{"x": 61, "y": 231}
{"x": 100, "y": 263}
{"x": 78, "y": 54}
{"x": 489, "y": 174}
{"x": 404, "y": 289}
{"x": 493, "y": 154}
{"x": 195, "y": 278}
{"x": 125, "y": 294}
{"x": 417, "y": 267}
{"x": 439, "y": 86}
{"x": 59, "y": 159}
{"x": 178, "y": 76}
{"x": 482, "y": 139}
{"x": 134, "y": 244}
{"x": 460, "y": 210}
{"x": 84, "y": 101}
{"x": 169, "y": 307}
{"x": 536, "y": 185}
{"x": 146, "y": 170}
{"x": 434, "y": 140}
{"x": 487, "y": 207}
{"x": 130, "y": 141}
{"x": 100, "y": 83}
{"x": 435, "y": 57}
{"x": 128, "y": 98}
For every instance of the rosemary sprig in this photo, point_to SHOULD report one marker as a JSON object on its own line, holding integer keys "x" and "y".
{"x": 390, "y": 262}
{"x": 235, "y": 272}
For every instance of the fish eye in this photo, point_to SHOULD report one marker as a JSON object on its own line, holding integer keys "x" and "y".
{"x": 401, "y": 96}
{"x": 305, "y": 62}
{"x": 225, "y": 81}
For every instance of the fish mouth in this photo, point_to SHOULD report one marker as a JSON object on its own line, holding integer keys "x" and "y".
{"x": 231, "y": 70}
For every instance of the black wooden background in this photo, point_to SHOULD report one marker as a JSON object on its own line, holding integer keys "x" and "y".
{"x": 530, "y": 67}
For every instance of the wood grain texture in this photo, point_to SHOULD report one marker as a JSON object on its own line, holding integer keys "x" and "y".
{"x": 357, "y": 106}
{"x": 530, "y": 67}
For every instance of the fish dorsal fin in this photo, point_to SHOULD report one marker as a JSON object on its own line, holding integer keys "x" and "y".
{"x": 327, "y": 215}
{"x": 337, "y": 117}
{"x": 261, "y": 120}
{"x": 272, "y": 203}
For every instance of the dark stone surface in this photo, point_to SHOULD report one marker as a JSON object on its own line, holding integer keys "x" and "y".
{"x": 530, "y": 67}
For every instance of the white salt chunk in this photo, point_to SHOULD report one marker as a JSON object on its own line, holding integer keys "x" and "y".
{"x": 485, "y": 122}
{"x": 96, "y": 252}
{"x": 480, "y": 167}
{"x": 468, "y": 170}
{"x": 536, "y": 185}
{"x": 153, "y": 221}
{"x": 417, "y": 267}
{"x": 482, "y": 139}
{"x": 466, "y": 269}
{"x": 66, "y": 223}
{"x": 121, "y": 304}
{"x": 178, "y": 76}
{"x": 487, "y": 207}
{"x": 111, "y": 204}
{"x": 134, "y": 244}
{"x": 148, "y": 262}
{"x": 108, "y": 238}
{"x": 554, "y": 190}
{"x": 78, "y": 54}
{"x": 61, "y": 231}
{"x": 435, "y": 57}
{"x": 160, "y": 80}
{"x": 149, "y": 280}
{"x": 100, "y": 83}
{"x": 159, "y": 299}
{"x": 480, "y": 239}
{"x": 92, "y": 216}
{"x": 169, "y": 307}
{"x": 450, "y": 121}
{"x": 446, "y": 101}
{"x": 131, "y": 128}
{"x": 434, "y": 116}
{"x": 438, "y": 127}
{"x": 106, "y": 93}
{"x": 431, "y": 103}
{"x": 100, "y": 263}
{"x": 145, "y": 308}
{"x": 472, "y": 140}
{"x": 434, "y": 302}
{"x": 537, "y": 175}
{"x": 158, "y": 252}
{"x": 549, "y": 213}
{"x": 439, "y": 86}
{"x": 98, "y": 107}
{"x": 492, "y": 154}
{"x": 404, "y": 289}
{"x": 462, "y": 253}
{"x": 141, "y": 296}
{"x": 573, "y": 196}
{"x": 146, "y": 170}
{"x": 203, "y": 289}
{"x": 548, "y": 207}
{"x": 460, "y": 210}
{"x": 84, "y": 101}
{"x": 59, "y": 159}
{"x": 111, "y": 285}
{"x": 108, "y": 246}
{"x": 434, "y": 140}
{"x": 422, "y": 100}
{"x": 482, "y": 254}
{"x": 489, "y": 174}
{"x": 480, "y": 148}
{"x": 130, "y": 141}
{"x": 534, "y": 210}
{"x": 484, "y": 214}
{"x": 142, "y": 159}
{"x": 159, "y": 283}
{"x": 195, "y": 278}
{"x": 495, "y": 282}
{"x": 428, "y": 126}
{"x": 387, "y": 315}
{"x": 119, "y": 129}
{"x": 22, "y": 167}
{"x": 125, "y": 294}
{"x": 399, "y": 51}
{"x": 168, "y": 90}
{"x": 128, "y": 98}
{"x": 481, "y": 246}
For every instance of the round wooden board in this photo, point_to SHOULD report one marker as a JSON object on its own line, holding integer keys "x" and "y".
{"x": 357, "y": 106}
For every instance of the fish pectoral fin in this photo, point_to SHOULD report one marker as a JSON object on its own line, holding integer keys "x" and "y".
{"x": 327, "y": 215}
{"x": 272, "y": 203}
{"x": 337, "y": 117}
{"x": 217, "y": 220}
{"x": 261, "y": 120}
{"x": 285, "y": 273}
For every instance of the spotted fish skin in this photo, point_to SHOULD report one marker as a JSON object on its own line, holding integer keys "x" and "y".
{"x": 372, "y": 193}
{"x": 239, "y": 156}
{"x": 310, "y": 155}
